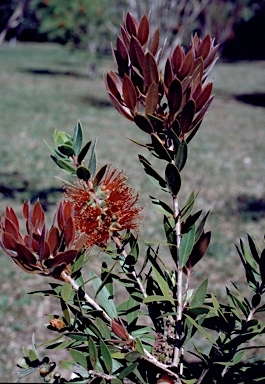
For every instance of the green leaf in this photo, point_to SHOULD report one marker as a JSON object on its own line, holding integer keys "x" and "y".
{"x": 173, "y": 178}
{"x": 200, "y": 329}
{"x": 139, "y": 346}
{"x": 126, "y": 371}
{"x": 186, "y": 246}
{"x": 160, "y": 151}
{"x": 65, "y": 312}
{"x": 132, "y": 310}
{"x": 77, "y": 138}
{"x": 143, "y": 123}
{"x": 83, "y": 152}
{"x": 92, "y": 164}
{"x": 66, "y": 150}
{"x": 188, "y": 207}
{"x": 199, "y": 230}
{"x": 106, "y": 356}
{"x": 66, "y": 291}
{"x": 103, "y": 296}
{"x": 64, "y": 165}
{"x": 181, "y": 155}
{"x": 163, "y": 285}
{"x": 153, "y": 175}
{"x": 103, "y": 328}
{"x": 262, "y": 266}
{"x": 157, "y": 298}
{"x": 79, "y": 357}
{"x": 162, "y": 207}
{"x": 200, "y": 294}
{"x": 83, "y": 173}
{"x": 93, "y": 353}
{"x": 132, "y": 356}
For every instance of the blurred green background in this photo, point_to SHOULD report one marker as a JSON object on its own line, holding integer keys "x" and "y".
{"x": 53, "y": 56}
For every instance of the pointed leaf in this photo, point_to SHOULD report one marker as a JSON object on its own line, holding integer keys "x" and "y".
{"x": 106, "y": 356}
{"x": 65, "y": 166}
{"x": 151, "y": 101}
{"x": 162, "y": 207}
{"x": 186, "y": 246}
{"x": 66, "y": 291}
{"x": 174, "y": 96}
{"x": 79, "y": 357}
{"x": 181, "y": 156}
{"x": 159, "y": 149}
{"x": 93, "y": 353}
{"x": 163, "y": 285}
{"x": 155, "y": 42}
{"x": 173, "y": 178}
{"x": 150, "y": 70}
{"x": 153, "y": 175}
{"x": 129, "y": 93}
{"x": 186, "y": 116}
{"x": 77, "y": 138}
{"x": 143, "y": 30}
{"x": 103, "y": 296}
{"x": 83, "y": 152}
{"x": 200, "y": 294}
{"x": 201, "y": 329}
{"x": 143, "y": 123}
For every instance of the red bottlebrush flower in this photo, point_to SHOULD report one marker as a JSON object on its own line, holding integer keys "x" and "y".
{"x": 42, "y": 251}
{"x": 103, "y": 205}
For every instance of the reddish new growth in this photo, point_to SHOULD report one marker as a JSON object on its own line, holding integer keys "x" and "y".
{"x": 104, "y": 205}
{"x": 42, "y": 251}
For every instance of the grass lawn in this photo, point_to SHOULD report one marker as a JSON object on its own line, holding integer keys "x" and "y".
{"x": 45, "y": 87}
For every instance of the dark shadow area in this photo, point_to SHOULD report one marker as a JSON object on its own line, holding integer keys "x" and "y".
{"x": 54, "y": 73}
{"x": 255, "y": 99}
{"x": 251, "y": 207}
{"x": 21, "y": 191}
{"x": 103, "y": 103}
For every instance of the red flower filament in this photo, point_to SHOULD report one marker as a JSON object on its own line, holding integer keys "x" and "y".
{"x": 104, "y": 207}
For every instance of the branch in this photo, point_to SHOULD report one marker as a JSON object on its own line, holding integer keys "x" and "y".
{"x": 88, "y": 298}
{"x": 147, "y": 355}
{"x": 177, "y": 351}
{"x": 120, "y": 247}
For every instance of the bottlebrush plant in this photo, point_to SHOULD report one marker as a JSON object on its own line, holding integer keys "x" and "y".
{"x": 148, "y": 337}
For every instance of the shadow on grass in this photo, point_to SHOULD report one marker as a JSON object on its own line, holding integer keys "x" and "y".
{"x": 255, "y": 99}
{"x": 43, "y": 71}
{"x": 23, "y": 191}
{"x": 253, "y": 207}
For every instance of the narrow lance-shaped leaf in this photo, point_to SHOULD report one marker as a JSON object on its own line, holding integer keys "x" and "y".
{"x": 151, "y": 99}
{"x": 160, "y": 149}
{"x": 143, "y": 123}
{"x": 186, "y": 116}
{"x": 77, "y": 138}
{"x": 181, "y": 155}
{"x": 83, "y": 152}
{"x": 186, "y": 246}
{"x": 150, "y": 69}
{"x": 173, "y": 178}
{"x": 200, "y": 294}
{"x": 129, "y": 93}
{"x": 143, "y": 30}
{"x": 153, "y": 175}
{"x": 93, "y": 354}
{"x": 174, "y": 96}
{"x": 106, "y": 356}
{"x": 163, "y": 285}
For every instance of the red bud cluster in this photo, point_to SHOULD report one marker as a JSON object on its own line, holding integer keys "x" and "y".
{"x": 42, "y": 251}
{"x": 175, "y": 99}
